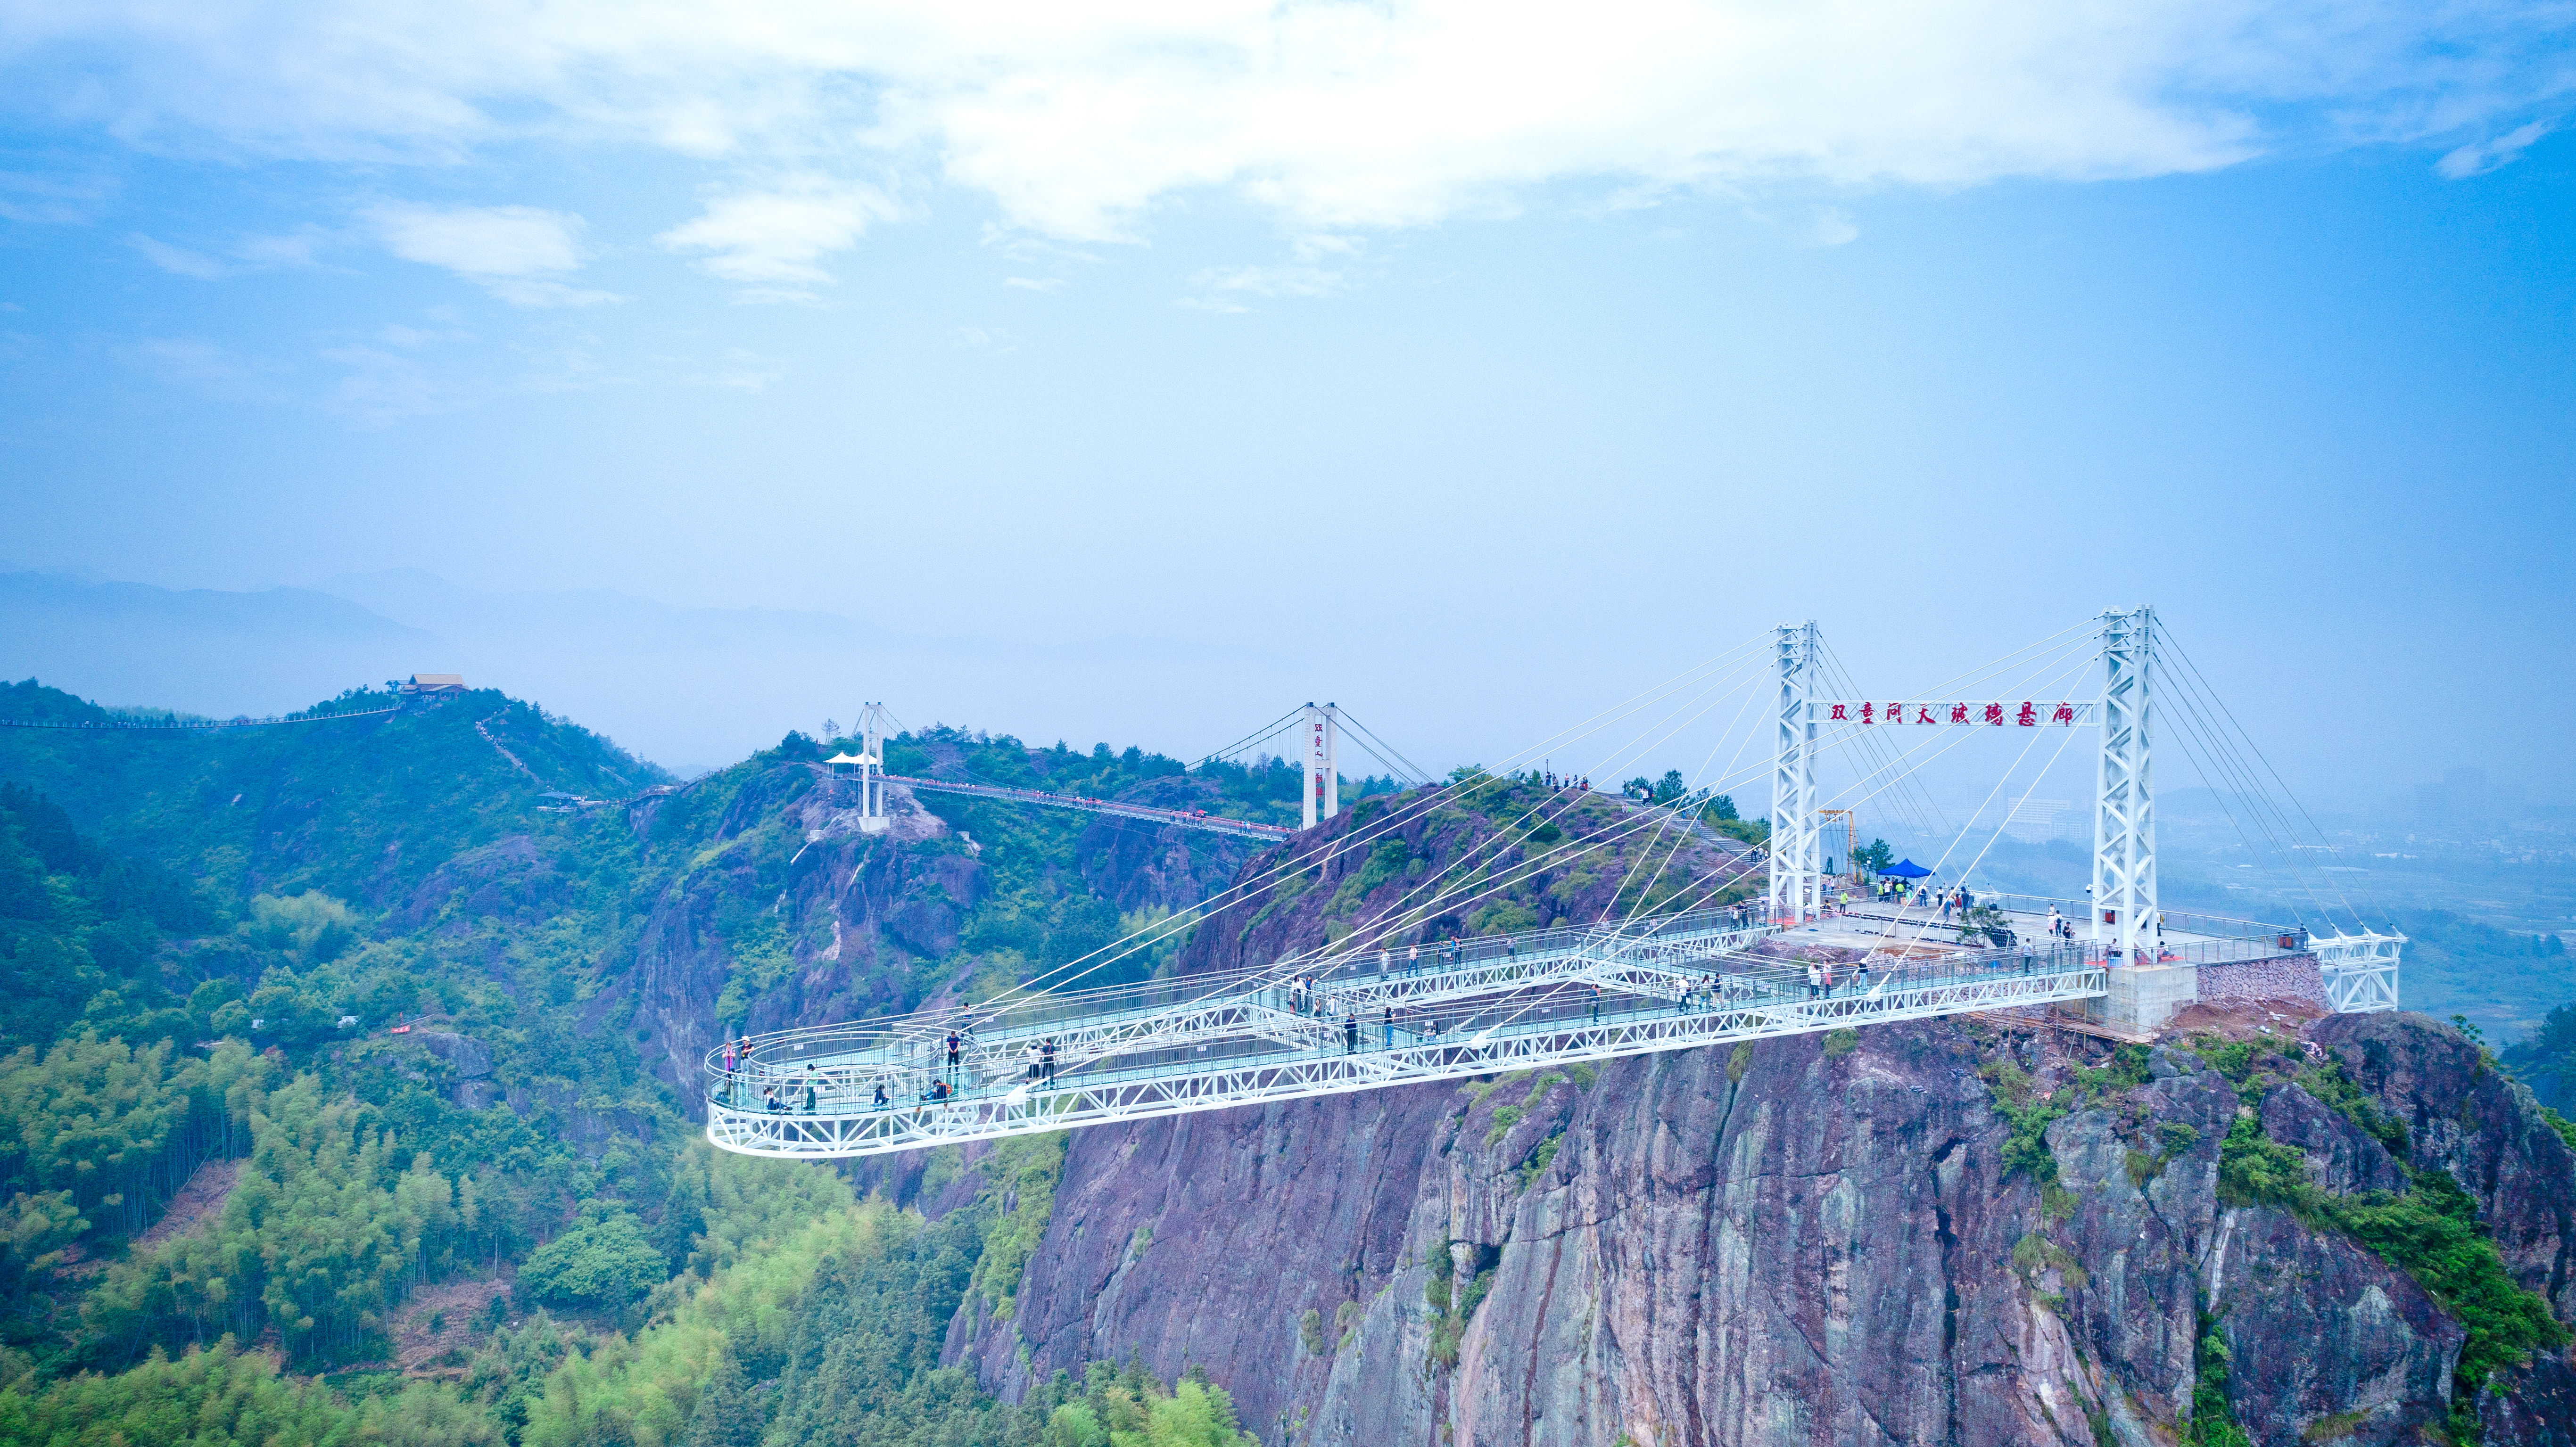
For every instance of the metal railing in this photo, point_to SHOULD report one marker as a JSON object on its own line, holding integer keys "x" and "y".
{"x": 827, "y": 1110}
{"x": 1187, "y": 819}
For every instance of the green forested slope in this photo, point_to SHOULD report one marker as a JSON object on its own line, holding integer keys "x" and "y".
{"x": 308, "y": 1028}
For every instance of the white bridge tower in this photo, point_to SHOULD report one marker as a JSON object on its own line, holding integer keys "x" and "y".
{"x": 1797, "y": 859}
{"x": 1323, "y": 787}
{"x": 871, "y": 764}
{"x": 2125, "y": 918}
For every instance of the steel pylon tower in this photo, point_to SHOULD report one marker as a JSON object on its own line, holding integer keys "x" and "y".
{"x": 1797, "y": 861}
{"x": 2125, "y": 917}
{"x": 872, "y": 722}
{"x": 1323, "y": 787}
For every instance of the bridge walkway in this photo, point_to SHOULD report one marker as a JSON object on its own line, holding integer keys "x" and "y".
{"x": 1540, "y": 1028}
{"x": 1115, "y": 808}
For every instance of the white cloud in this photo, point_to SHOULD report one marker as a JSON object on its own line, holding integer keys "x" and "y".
{"x": 1034, "y": 283}
{"x": 2480, "y": 157}
{"x": 1833, "y": 226}
{"x": 206, "y": 368}
{"x": 295, "y": 248}
{"x": 176, "y": 260}
{"x": 772, "y": 240}
{"x": 740, "y": 371}
{"x": 379, "y": 387}
{"x": 1078, "y": 121}
{"x": 69, "y": 200}
{"x": 1319, "y": 265}
{"x": 514, "y": 252}
{"x": 1295, "y": 280}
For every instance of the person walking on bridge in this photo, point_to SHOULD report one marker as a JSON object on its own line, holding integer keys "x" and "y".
{"x": 955, "y": 1042}
{"x": 1046, "y": 1061}
{"x": 1029, "y": 1057}
{"x": 1389, "y": 1023}
{"x": 1412, "y": 960}
{"x": 1350, "y": 1034}
{"x": 1815, "y": 980}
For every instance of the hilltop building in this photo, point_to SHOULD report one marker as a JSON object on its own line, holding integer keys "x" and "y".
{"x": 428, "y": 690}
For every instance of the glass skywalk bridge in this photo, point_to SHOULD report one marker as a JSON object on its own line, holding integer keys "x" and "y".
{"x": 1327, "y": 1025}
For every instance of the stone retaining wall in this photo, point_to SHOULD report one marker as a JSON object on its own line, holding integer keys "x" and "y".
{"x": 2282, "y": 977}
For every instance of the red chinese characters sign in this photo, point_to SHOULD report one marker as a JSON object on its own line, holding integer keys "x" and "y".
{"x": 1987, "y": 713}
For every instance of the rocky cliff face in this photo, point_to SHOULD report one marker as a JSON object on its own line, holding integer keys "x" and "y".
{"x": 1780, "y": 1245}
{"x": 1815, "y": 1240}
{"x": 1888, "y": 1238}
{"x": 853, "y": 924}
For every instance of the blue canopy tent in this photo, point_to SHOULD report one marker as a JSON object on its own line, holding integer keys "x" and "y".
{"x": 1905, "y": 869}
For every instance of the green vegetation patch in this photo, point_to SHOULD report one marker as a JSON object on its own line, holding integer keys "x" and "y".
{"x": 2028, "y": 1115}
{"x": 2431, "y": 1233}
{"x": 2213, "y": 1420}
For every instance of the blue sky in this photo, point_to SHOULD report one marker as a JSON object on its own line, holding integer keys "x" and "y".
{"x": 1471, "y": 365}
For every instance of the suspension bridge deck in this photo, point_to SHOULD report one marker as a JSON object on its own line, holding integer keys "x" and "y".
{"x": 1114, "y": 808}
{"x": 1343, "y": 1022}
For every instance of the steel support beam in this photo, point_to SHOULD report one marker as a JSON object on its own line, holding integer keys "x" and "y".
{"x": 2360, "y": 970}
{"x": 1797, "y": 861}
{"x": 2125, "y": 915}
{"x": 845, "y": 1125}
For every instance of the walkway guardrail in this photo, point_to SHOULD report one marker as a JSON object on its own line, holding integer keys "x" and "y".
{"x": 832, "y": 1108}
{"x": 1185, "y": 818}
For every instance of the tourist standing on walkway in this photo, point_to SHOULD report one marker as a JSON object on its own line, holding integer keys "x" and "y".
{"x": 1390, "y": 1027}
{"x": 1350, "y": 1034}
{"x": 1815, "y": 980}
{"x": 1046, "y": 1062}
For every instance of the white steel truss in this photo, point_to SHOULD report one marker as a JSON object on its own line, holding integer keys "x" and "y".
{"x": 1286, "y": 1003}
{"x": 872, "y": 722}
{"x": 1797, "y": 842}
{"x": 2360, "y": 970}
{"x": 1114, "y": 808}
{"x": 2124, "y": 812}
{"x": 1341, "y": 1021}
{"x": 846, "y": 1121}
{"x": 868, "y": 767}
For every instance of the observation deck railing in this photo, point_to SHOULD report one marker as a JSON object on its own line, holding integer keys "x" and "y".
{"x": 826, "y": 1105}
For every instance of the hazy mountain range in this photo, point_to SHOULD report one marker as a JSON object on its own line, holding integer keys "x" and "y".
{"x": 690, "y": 688}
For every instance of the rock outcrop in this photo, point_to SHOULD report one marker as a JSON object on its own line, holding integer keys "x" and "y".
{"x": 2466, "y": 1117}
{"x": 1820, "y": 1239}
{"x": 1784, "y": 1244}
{"x": 1946, "y": 1232}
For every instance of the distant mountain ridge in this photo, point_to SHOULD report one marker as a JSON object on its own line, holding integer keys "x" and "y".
{"x": 692, "y": 687}
{"x": 199, "y": 649}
